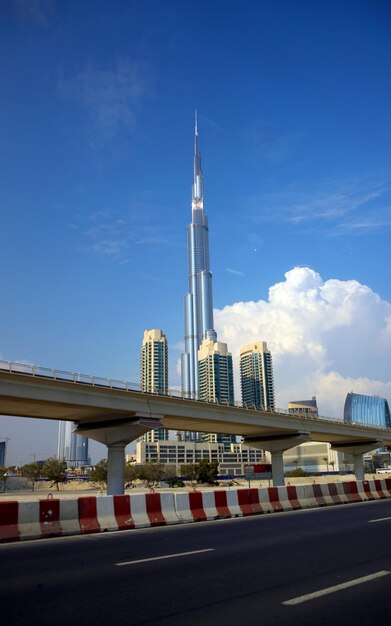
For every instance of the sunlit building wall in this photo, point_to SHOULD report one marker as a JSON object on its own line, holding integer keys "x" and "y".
{"x": 216, "y": 382}
{"x": 256, "y": 376}
{"x": 307, "y": 408}
{"x": 231, "y": 459}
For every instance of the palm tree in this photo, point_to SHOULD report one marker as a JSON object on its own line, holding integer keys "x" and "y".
{"x": 326, "y": 460}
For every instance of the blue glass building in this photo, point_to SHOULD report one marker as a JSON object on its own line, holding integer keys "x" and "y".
{"x": 370, "y": 410}
{"x": 2, "y": 453}
{"x": 71, "y": 447}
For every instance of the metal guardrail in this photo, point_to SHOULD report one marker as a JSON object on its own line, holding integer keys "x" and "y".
{"x": 97, "y": 381}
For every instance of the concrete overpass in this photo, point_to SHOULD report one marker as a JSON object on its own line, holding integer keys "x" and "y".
{"x": 116, "y": 413}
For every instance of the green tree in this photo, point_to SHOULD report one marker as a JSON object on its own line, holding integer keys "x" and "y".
{"x": 56, "y": 471}
{"x": 99, "y": 472}
{"x": 132, "y": 473}
{"x": 297, "y": 472}
{"x": 32, "y": 471}
{"x": 189, "y": 472}
{"x": 151, "y": 473}
{"x": 207, "y": 471}
{"x": 378, "y": 461}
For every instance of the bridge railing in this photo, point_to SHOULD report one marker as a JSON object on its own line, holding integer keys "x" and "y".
{"x": 14, "y": 367}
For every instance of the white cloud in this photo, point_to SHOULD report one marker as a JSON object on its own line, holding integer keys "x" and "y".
{"x": 353, "y": 205}
{"x": 234, "y": 272}
{"x": 327, "y": 338}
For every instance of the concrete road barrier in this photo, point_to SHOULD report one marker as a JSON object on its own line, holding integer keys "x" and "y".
{"x": 21, "y": 520}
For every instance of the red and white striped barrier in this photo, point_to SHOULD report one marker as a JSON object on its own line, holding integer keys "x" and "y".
{"x": 54, "y": 517}
{"x": 321, "y": 495}
{"x": 199, "y": 506}
{"x": 350, "y": 490}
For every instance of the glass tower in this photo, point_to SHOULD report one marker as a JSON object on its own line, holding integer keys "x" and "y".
{"x": 370, "y": 410}
{"x": 71, "y": 447}
{"x": 198, "y": 299}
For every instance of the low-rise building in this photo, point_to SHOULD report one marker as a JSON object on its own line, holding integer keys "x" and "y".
{"x": 177, "y": 453}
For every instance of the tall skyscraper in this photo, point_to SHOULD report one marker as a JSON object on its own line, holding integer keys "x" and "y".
{"x": 154, "y": 372}
{"x": 216, "y": 381}
{"x": 198, "y": 299}
{"x": 256, "y": 376}
{"x": 71, "y": 447}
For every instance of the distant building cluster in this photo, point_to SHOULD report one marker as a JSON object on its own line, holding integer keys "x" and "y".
{"x": 207, "y": 374}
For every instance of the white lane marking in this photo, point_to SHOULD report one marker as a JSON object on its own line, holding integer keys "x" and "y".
{"x": 166, "y": 556}
{"x": 325, "y": 592}
{"x": 380, "y": 519}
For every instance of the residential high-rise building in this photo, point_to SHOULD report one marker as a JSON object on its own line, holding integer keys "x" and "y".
{"x": 370, "y": 410}
{"x": 215, "y": 372}
{"x": 198, "y": 299}
{"x": 256, "y": 376}
{"x": 154, "y": 372}
{"x": 216, "y": 381}
{"x": 71, "y": 447}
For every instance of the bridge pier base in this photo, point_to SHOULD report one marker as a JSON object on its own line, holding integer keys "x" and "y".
{"x": 358, "y": 460}
{"x": 278, "y": 469}
{"x": 115, "y": 469}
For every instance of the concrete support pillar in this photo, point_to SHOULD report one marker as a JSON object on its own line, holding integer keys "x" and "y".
{"x": 277, "y": 445}
{"x": 116, "y": 434}
{"x": 277, "y": 469}
{"x": 115, "y": 469}
{"x": 356, "y": 450}
{"x": 358, "y": 466}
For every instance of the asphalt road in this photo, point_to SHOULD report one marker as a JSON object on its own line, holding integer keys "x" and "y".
{"x": 256, "y": 570}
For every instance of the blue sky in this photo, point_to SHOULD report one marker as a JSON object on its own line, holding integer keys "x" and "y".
{"x": 97, "y": 116}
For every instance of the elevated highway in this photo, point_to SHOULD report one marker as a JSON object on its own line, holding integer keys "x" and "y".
{"x": 116, "y": 413}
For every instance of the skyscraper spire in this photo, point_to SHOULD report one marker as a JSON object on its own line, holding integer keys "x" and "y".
{"x": 198, "y": 299}
{"x": 198, "y": 186}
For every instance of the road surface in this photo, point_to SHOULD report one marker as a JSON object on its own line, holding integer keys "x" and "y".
{"x": 316, "y": 567}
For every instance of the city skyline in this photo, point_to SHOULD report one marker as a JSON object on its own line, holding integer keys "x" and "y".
{"x": 96, "y": 159}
